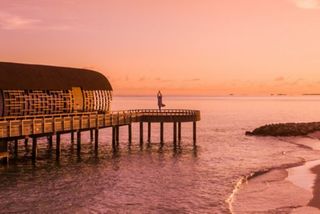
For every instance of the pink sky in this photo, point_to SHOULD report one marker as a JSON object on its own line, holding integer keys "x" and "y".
{"x": 204, "y": 47}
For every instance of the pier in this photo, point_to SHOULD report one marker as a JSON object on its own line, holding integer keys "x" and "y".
{"x": 45, "y": 101}
{"x": 23, "y": 128}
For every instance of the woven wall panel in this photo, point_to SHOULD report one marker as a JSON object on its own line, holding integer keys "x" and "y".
{"x": 97, "y": 100}
{"x": 26, "y": 102}
{"x": 35, "y": 102}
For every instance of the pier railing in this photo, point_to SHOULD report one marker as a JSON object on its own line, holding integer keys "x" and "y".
{"x": 23, "y": 126}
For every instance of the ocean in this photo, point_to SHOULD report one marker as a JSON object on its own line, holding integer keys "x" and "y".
{"x": 155, "y": 179}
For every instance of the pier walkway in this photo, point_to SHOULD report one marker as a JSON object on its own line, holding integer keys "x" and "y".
{"x": 25, "y": 127}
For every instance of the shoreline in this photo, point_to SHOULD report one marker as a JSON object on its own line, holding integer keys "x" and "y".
{"x": 291, "y": 188}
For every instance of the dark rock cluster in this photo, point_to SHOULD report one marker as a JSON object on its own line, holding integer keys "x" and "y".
{"x": 286, "y": 129}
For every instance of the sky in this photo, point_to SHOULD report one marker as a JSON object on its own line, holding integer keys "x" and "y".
{"x": 182, "y": 47}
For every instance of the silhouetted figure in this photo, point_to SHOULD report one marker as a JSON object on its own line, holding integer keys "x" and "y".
{"x": 160, "y": 104}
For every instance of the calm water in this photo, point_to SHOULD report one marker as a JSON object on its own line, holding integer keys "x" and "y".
{"x": 154, "y": 179}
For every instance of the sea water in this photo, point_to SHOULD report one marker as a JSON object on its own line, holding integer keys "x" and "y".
{"x": 155, "y": 179}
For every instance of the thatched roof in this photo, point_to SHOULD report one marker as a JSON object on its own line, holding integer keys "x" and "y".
{"x": 42, "y": 77}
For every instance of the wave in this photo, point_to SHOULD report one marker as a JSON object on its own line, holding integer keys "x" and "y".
{"x": 247, "y": 178}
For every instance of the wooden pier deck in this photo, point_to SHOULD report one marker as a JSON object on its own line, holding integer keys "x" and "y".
{"x": 25, "y": 127}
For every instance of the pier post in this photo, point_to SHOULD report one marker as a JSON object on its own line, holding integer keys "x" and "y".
{"x": 114, "y": 137}
{"x": 4, "y": 154}
{"x": 130, "y": 133}
{"x": 179, "y": 132}
{"x": 117, "y": 135}
{"x": 141, "y": 133}
{"x": 149, "y": 132}
{"x": 78, "y": 140}
{"x": 91, "y": 135}
{"x": 175, "y": 133}
{"x": 26, "y": 147}
{"x": 96, "y": 139}
{"x": 50, "y": 141}
{"x": 161, "y": 133}
{"x": 72, "y": 137}
{"x": 16, "y": 144}
{"x": 58, "y": 142}
{"x": 194, "y": 133}
{"x": 34, "y": 148}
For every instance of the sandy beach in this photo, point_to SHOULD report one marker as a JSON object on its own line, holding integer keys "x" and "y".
{"x": 294, "y": 189}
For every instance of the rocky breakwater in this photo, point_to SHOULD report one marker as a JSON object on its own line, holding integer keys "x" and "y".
{"x": 286, "y": 129}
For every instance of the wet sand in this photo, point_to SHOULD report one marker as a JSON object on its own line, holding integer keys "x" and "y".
{"x": 285, "y": 190}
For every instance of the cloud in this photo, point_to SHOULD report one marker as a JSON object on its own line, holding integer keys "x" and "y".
{"x": 14, "y": 22}
{"x": 9, "y": 21}
{"x": 307, "y": 4}
{"x": 279, "y": 79}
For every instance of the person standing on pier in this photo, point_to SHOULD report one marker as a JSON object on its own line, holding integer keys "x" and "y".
{"x": 160, "y": 104}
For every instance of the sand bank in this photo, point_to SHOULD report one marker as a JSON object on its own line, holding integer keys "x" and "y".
{"x": 284, "y": 190}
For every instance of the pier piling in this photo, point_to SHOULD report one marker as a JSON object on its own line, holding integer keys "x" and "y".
{"x": 141, "y": 133}
{"x": 161, "y": 133}
{"x": 58, "y": 142}
{"x": 50, "y": 141}
{"x": 179, "y": 132}
{"x": 130, "y": 134}
{"x": 72, "y": 137}
{"x": 149, "y": 132}
{"x": 16, "y": 149}
{"x": 194, "y": 133}
{"x": 113, "y": 137}
{"x": 91, "y": 135}
{"x": 174, "y": 132}
{"x": 34, "y": 148}
{"x": 78, "y": 141}
{"x": 96, "y": 139}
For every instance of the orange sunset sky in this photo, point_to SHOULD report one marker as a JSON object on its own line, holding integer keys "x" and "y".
{"x": 184, "y": 47}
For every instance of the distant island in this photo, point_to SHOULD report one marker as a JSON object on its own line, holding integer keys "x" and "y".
{"x": 310, "y": 94}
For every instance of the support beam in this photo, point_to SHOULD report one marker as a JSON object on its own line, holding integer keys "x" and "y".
{"x": 78, "y": 141}
{"x": 96, "y": 139}
{"x": 175, "y": 132}
{"x": 130, "y": 134}
{"x": 58, "y": 142}
{"x": 149, "y": 132}
{"x": 194, "y": 133}
{"x": 179, "y": 132}
{"x": 34, "y": 148}
{"x": 141, "y": 133}
{"x": 161, "y": 132}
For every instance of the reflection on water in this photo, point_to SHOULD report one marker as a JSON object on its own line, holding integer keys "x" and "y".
{"x": 155, "y": 178}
